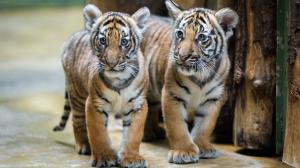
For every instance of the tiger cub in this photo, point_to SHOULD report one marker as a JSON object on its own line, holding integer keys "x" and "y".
{"x": 188, "y": 64}
{"x": 105, "y": 72}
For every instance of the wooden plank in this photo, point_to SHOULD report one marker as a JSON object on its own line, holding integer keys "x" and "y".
{"x": 281, "y": 70}
{"x": 191, "y": 3}
{"x": 224, "y": 3}
{"x": 156, "y": 7}
{"x": 291, "y": 151}
{"x": 255, "y": 74}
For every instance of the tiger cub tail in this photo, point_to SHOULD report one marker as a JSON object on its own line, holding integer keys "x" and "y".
{"x": 65, "y": 116}
{"x": 90, "y": 13}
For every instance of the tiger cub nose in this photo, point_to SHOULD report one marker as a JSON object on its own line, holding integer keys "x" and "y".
{"x": 183, "y": 58}
{"x": 113, "y": 64}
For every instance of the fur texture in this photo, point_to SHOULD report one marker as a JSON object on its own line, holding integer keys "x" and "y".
{"x": 188, "y": 64}
{"x": 105, "y": 73}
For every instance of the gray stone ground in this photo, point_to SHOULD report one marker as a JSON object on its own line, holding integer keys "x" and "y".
{"x": 31, "y": 98}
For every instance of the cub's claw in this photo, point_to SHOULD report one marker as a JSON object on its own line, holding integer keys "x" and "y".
{"x": 133, "y": 161}
{"x": 104, "y": 159}
{"x": 182, "y": 156}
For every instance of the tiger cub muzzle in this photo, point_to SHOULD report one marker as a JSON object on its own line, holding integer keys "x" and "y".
{"x": 187, "y": 61}
{"x": 115, "y": 62}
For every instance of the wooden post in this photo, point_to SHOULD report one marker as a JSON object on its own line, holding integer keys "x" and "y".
{"x": 281, "y": 70}
{"x": 190, "y": 3}
{"x": 225, "y": 3}
{"x": 255, "y": 74}
{"x": 291, "y": 151}
{"x": 155, "y": 6}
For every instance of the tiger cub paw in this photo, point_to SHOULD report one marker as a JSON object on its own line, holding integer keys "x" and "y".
{"x": 132, "y": 161}
{"x": 184, "y": 156}
{"x": 104, "y": 159}
{"x": 209, "y": 153}
{"x": 83, "y": 149}
{"x": 154, "y": 134}
{"x": 206, "y": 149}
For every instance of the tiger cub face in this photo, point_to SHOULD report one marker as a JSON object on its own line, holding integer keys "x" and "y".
{"x": 200, "y": 37}
{"x": 115, "y": 40}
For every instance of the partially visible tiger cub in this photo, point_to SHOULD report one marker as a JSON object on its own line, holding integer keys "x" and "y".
{"x": 188, "y": 65}
{"x": 105, "y": 72}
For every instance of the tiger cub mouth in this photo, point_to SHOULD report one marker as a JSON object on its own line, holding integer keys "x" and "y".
{"x": 185, "y": 66}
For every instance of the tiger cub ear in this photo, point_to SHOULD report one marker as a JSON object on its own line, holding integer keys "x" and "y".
{"x": 141, "y": 17}
{"x": 90, "y": 13}
{"x": 174, "y": 9}
{"x": 228, "y": 19}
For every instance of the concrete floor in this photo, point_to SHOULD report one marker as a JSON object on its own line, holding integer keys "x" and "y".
{"x": 31, "y": 99}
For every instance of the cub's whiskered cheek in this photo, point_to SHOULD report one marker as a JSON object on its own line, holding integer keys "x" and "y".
{"x": 117, "y": 68}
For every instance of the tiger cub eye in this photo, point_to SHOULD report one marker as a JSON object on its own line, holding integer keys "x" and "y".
{"x": 124, "y": 42}
{"x": 202, "y": 37}
{"x": 102, "y": 41}
{"x": 179, "y": 34}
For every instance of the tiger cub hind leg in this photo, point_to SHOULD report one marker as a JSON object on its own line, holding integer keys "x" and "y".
{"x": 133, "y": 126}
{"x": 152, "y": 129}
{"x": 80, "y": 133}
{"x": 79, "y": 126}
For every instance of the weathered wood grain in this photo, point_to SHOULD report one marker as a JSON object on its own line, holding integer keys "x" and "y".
{"x": 255, "y": 74}
{"x": 156, "y": 7}
{"x": 291, "y": 151}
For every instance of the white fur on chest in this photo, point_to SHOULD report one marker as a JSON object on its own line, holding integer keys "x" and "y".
{"x": 120, "y": 101}
{"x": 200, "y": 95}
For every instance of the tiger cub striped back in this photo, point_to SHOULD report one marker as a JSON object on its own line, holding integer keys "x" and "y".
{"x": 105, "y": 73}
{"x": 188, "y": 64}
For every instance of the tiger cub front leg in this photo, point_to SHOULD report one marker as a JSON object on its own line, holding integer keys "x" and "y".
{"x": 182, "y": 148}
{"x": 102, "y": 153}
{"x": 204, "y": 123}
{"x": 133, "y": 129}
